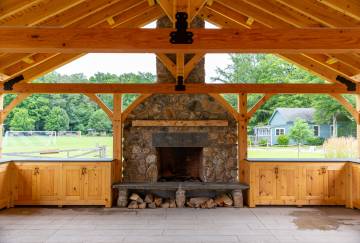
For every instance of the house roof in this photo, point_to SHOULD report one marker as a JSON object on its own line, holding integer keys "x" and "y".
{"x": 291, "y": 114}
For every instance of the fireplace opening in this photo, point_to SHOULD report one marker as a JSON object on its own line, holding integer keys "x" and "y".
{"x": 179, "y": 163}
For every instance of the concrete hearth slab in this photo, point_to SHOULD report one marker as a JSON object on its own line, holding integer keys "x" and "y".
{"x": 262, "y": 224}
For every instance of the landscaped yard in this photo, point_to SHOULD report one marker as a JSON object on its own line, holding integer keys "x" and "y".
{"x": 51, "y": 144}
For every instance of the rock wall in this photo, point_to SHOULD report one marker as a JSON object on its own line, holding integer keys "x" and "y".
{"x": 219, "y": 160}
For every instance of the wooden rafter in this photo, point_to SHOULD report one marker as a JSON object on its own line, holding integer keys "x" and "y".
{"x": 133, "y": 105}
{"x": 206, "y": 40}
{"x": 191, "y": 64}
{"x": 349, "y": 107}
{"x": 193, "y": 88}
{"x": 9, "y": 7}
{"x": 349, "y": 7}
{"x": 168, "y": 63}
{"x": 226, "y": 105}
{"x": 258, "y": 104}
{"x": 101, "y": 104}
{"x": 41, "y": 12}
{"x": 274, "y": 11}
{"x": 18, "y": 99}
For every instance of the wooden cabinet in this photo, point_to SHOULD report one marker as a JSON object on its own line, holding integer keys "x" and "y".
{"x": 324, "y": 184}
{"x": 67, "y": 183}
{"x": 38, "y": 184}
{"x": 88, "y": 184}
{"x": 356, "y": 185}
{"x": 5, "y": 185}
{"x": 298, "y": 184}
{"x": 277, "y": 185}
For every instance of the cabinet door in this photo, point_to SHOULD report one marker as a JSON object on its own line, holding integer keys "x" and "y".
{"x": 265, "y": 189}
{"x": 313, "y": 188}
{"x": 25, "y": 184}
{"x": 94, "y": 183}
{"x": 335, "y": 184}
{"x": 4, "y": 185}
{"x": 356, "y": 185}
{"x": 73, "y": 180}
{"x": 48, "y": 183}
{"x": 287, "y": 188}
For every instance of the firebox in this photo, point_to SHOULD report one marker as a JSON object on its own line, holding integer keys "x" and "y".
{"x": 179, "y": 163}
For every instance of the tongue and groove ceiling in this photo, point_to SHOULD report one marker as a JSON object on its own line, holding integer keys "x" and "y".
{"x": 242, "y": 14}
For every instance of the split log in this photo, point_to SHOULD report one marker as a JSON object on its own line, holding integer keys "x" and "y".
{"x": 223, "y": 201}
{"x": 149, "y": 198}
{"x": 209, "y": 204}
{"x": 158, "y": 201}
{"x": 196, "y": 202}
{"x": 151, "y": 205}
{"x": 166, "y": 204}
{"x": 172, "y": 203}
{"x": 133, "y": 205}
{"x": 134, "y": 197}
{"x": 142, "y": 205}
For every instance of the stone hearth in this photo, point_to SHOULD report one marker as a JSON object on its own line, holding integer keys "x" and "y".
{"x": 218, "y": 144}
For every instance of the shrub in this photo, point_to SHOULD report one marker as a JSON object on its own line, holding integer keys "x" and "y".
{"x": 263, "y": 142}
{"x": 315, "y": 141}
{"x": 283, "y": 140}
{"x": 342, "y": 147}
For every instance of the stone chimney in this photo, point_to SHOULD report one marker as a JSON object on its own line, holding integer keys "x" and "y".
{"x": 197, "y": 75}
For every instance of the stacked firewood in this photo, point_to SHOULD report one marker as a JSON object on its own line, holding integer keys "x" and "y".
{"x": 152, "y": 201}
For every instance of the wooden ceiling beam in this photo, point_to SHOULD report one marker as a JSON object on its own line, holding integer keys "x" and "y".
{"x": 101, "y": 104}
{"x": 192, "y": 63}
{"x": 259, "y": 15}
{"x": 78, "y": 12}
{"x": 62, "y": 59}
{"x": 258, "y": 104}
{"x": 6, "y": 111}
{"x": 168, "y": 63}
{"x": 22, "y": 66}
{"x": 305, "y": 62}
{"x": 9, "y": 59}
{"x": 168, "y": 8}
{"x": 349, "y": 7}
{"x": 283, "y": 12}
{"x": 90, "y": 88}
{"x": 350, "y": 59}
{"x": 215, "y": 18}
{"x": 337, "y": 66}
{"x": 41, "y": 12}
{"x": 234, "y": 16}
{"x": 77, "y": 40}
{"x": 348, "y": 106}
{"x": 321, "y": 13}
{"x": 10, "y": 7}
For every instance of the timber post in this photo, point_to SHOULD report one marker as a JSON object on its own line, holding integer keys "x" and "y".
{"x": 1, "y": 123}
{"x": 242, "y": 136}
{"x": 117, "y": 139}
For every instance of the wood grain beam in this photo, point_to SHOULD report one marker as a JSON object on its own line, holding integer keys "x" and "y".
{"x": 39, "y": 13}
{"x": 191, "y": 88}
{"x": 191, "y": 64}
{"x": 77, "y": 40}
{"x": 168, "y": 63}
{"x": 258, "y": 104}
{"x": 349, "y": 107}
{"x": 18, "y": 99}
{"x": 9, "y": 7}
{"x": 232, "y": 111}
{"x": 101, "y": 104}
{"x": 349, "y": 7}
{"x": 133, "y": 105}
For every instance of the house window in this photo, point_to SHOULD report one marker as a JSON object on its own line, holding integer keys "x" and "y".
{"x": 279, "y": 131}
{"x": 316, "y": 130}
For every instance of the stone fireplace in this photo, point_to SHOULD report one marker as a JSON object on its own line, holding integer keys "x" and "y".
{"x": 206, "y": 153}
{"x": 185, "y": 153}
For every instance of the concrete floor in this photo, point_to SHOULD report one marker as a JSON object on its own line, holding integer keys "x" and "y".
{"x": 262, "y": 224}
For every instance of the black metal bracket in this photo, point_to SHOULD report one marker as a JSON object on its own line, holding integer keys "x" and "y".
{"x": 350, "y": 85}
{"x": 181, "y": 35}
{"x": 180, "y": 84}
{"x": 8, "y": 85}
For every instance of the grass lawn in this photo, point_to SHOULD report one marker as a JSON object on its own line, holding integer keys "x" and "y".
{"x": 39, "y": 143}
{"x": 285, "y": 152}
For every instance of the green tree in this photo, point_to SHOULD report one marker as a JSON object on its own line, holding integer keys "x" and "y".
{"x": 21, "y": 121}
{"x": 300, "y": 132}
{"x": 329, "y": 111}
{"x": 99, "y": 121}
{"x": 57, "y": 120}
